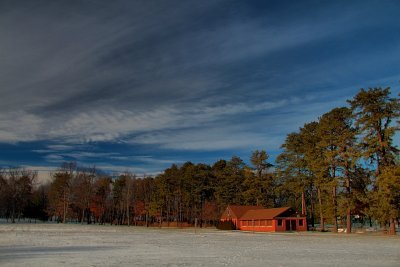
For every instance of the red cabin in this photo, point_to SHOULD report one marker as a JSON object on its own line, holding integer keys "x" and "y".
{"x": 256, "y": 218}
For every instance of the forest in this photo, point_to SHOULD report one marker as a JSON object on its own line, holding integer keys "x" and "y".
{"x": 341, "y": 168}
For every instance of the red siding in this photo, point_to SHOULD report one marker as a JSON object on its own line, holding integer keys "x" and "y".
{"x": 258, "y": 226}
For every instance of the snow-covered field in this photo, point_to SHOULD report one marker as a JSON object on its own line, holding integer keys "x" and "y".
{"x": 94, "y": 245}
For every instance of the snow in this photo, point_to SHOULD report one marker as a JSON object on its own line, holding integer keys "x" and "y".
{"x": 95, "y": 245}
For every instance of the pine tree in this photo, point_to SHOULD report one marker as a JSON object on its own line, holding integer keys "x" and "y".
{"x": 340, "y": 156}
{"x": 374, "y": 111}
{"x": 386, "y": 200}
{"x": 258, "y": 182}
{"x": 375, "y": 114}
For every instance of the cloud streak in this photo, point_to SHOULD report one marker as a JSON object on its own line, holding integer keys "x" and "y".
{"x": 192, "y": 76}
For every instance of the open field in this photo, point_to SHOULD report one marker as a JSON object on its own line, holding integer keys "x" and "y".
{"x": 94, "y": 245}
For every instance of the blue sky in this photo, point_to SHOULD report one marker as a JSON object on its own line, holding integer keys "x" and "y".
{"x": 139, "y": 85}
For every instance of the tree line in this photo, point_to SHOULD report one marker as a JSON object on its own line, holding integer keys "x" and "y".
{"x": 340, "y": 168}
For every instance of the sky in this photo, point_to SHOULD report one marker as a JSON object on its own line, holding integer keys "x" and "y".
{"x": 140, "y": 85}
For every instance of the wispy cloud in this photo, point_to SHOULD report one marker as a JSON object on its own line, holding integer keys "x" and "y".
{"x": 190, "y": 76}
{"x": 53, "y": 158}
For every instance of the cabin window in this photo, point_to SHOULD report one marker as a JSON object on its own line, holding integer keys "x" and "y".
{"x": 244, "y": 223}
{"x": 300, "y": 222}
{"x": 262, "y": 223}
{"x": 279, "y": 222}
{"x": 268, "y": 222}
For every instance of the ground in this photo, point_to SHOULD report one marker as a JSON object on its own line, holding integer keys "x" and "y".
{"x": 94, "y": 245}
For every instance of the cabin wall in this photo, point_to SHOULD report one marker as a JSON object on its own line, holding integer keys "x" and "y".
{"x": 291, "y": 224}
{"x": 275, "y": 225}
{"x": 257, "y": 225}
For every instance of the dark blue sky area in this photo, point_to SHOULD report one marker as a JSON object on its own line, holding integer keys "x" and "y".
{"x": 139, "y": 85}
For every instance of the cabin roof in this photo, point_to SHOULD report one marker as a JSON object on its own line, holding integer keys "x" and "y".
{"x": 238, "y": 211}
{"x": 257, "y": 213}
{"x": 264, "y": 214}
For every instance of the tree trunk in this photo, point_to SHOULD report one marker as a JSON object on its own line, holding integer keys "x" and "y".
{"x": 303, "y": 204}
{"x": 392, "y": 227}
{"x": 127, "y": 214}
{"x": 335, "y": 223}
{"x": 89, "y": 216}
{"x": 65, "y": 208}
{"x": 348, "y": 220}
{"x": 123, "y": 215}
{"x": 13, "y": 213}
{"x": 168, "y": 211}
{"x": 127, "y": 200}
{"x": 321, "y": 215}
{"x": 348, "y": 217}
{"x": 312, "y": 210}
{"x": 161, "y": 217}
{"x": 349, "y": 196}
{"x": 83, "y": 215}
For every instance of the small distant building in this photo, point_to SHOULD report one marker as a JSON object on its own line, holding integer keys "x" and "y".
{"x": 256, "y": 218}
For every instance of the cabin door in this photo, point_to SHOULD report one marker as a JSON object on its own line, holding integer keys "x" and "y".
{"x": 293, "y": 225}
{"x": 290, "y": 225}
